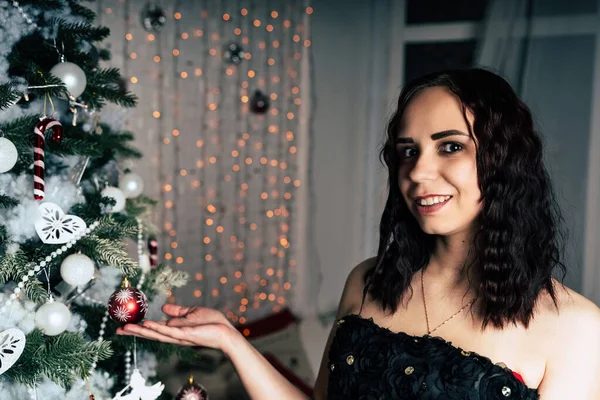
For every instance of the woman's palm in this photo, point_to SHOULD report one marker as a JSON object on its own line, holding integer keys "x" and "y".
{"x": 188, "y": 326}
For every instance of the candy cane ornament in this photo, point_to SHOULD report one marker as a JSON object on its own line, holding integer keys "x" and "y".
{"x": 39, "y": 167}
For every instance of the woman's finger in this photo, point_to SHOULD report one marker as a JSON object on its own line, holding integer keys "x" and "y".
{"x": 152, "y": 334}
{"x": 179, "y": 322}
{"x": 174, "y": 310}
{"x": 165, "y": 330}
{"x": 199, "y": 316}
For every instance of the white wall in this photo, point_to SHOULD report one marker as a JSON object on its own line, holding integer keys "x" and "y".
{"x": 341, "y": 60}
{"x": 342, "y": 54}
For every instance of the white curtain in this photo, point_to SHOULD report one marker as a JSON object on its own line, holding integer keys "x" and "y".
{"x": 546, "y": 50}
{"x": 231, "y": 182}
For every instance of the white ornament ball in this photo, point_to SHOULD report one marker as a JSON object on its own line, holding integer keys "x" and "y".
{"x": 72, "y": 76}
{"x": 52, "y": 318}
{"x": 8, "y": 155}
{"x": 132, "y": 185}
{"x": 116, "y": 194}
{"x": 77, "y": 269}
{"x": 144, "y": 263}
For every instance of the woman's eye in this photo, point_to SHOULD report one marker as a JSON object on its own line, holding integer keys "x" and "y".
{"x": 451, "y": 147}
{"x": 407, "y": 152}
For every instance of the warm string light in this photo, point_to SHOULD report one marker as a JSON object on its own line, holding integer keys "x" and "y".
{"x": 178, "y": 172}
{"x": 202, "y": 153}
{"x": 242, "y": 253}
{"x": 244, "y": 237}
{"x": 288, "y": 263}
{"x": 164, "y": 140}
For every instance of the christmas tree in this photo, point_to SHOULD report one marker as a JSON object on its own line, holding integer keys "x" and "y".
{"x": 67, "y": 208}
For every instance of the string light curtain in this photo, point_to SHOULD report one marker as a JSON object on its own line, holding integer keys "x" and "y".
{"x": 223, "y": 140}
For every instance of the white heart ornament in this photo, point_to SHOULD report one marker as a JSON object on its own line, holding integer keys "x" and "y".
{"x": 56, "y": 227}
{"x": 12, "y": 343}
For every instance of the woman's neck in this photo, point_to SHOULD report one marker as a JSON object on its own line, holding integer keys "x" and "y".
{"x": 450, "y": 261}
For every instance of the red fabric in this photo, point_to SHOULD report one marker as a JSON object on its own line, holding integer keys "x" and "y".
{"x": 519, "y": 377}
{"x": 272, "y": 323}
{"x": 288, "y": 374}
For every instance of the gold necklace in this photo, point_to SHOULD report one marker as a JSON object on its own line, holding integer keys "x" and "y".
{"x": 430, "y": 331}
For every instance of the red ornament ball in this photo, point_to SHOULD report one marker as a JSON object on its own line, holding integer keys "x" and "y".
{"x": 127, "y": 305}
{"x": 192, "y": 391}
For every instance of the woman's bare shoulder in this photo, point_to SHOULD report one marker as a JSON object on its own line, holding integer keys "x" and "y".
{"x": 571, "y": 333}
{"x": 355, "y": 284}
{"x": 571, "y": 314}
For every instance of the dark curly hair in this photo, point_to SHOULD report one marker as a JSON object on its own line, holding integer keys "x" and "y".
{"x": 518, "y": 246}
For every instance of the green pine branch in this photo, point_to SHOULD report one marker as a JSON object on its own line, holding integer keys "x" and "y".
{"x": 7, "y": 201}
{"x": 141, "y": 205}
{"x": 78, "y": 31}
{"x": 102, "y": 147}
{"x": 116, "y": 228}
{"x": 43, "y": 5}
{"x": 8, "y": 95}
{"x": 15, "y": 266}
{"x": 162, "y": 279}
{"x": 104, "y": 83}
{"x": 3, "y": 240}
{"x": 60, "y": 358}
{"x": 116, "y": 144}
{"x": 104, "y": 54}
{"x": 55, "y": 87}
{"x": 77, "y": 9}
{"x": 108, "y": 252}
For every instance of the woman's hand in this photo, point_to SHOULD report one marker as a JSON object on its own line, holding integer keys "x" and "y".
{"x": 189, "y": 326}
{"x": 201, "y": 326}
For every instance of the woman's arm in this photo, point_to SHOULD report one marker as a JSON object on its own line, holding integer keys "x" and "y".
{"x": 201, "y": 326}
{"x": 349, "y": 303}
{"x": 573, "y": 365}
{"x": 260, "y": 378}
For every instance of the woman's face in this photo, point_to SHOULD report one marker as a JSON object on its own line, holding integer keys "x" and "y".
{"x": 438, "y": 169}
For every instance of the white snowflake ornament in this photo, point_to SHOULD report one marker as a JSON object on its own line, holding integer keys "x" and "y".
{"x": 56, "y": 227}
{"x": 12, "y": 344}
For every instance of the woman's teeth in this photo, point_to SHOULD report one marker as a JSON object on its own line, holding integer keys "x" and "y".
{"x": 429, "y": 201}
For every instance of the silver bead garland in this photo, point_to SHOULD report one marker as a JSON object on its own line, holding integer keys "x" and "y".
{"x": 140, "y": 249}
{"x": 25, "y": 16}
{"x": 42, "y": 264}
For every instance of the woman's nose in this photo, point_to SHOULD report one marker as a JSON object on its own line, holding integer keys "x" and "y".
{"x": 425, "y": 168}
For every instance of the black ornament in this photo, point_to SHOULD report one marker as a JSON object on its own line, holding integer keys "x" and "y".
{"x": 153, "y": 18}
{"x": 233, "y": 53}
{"x": 259, "y": 104}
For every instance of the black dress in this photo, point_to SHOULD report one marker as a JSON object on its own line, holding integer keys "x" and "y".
{"x": 369, "y": 362}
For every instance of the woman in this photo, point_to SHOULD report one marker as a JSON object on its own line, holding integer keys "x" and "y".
{"x": 460, "y": 302}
